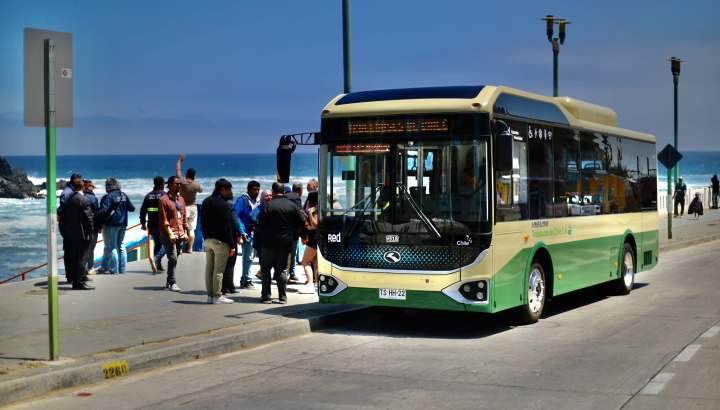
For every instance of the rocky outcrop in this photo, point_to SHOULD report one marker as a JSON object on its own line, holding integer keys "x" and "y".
{"x": 14, "y": 183}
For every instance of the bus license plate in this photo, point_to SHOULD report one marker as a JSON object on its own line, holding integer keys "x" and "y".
{"x": 396, "y": 294}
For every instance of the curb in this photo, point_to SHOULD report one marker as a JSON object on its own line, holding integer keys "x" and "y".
{"x": 672, "y": 246}
{"x": 27, "y": 387}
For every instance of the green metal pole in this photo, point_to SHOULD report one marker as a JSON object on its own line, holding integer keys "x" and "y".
{"x": 556, "y": 52}
{"x": 50, "y": 150}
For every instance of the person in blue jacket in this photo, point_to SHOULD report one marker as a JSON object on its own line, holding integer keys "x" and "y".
{"x": 113, "y": 214}
{"x": 245, "y": 207}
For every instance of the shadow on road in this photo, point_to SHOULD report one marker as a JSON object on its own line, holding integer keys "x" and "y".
{"x": 419, "y": 323}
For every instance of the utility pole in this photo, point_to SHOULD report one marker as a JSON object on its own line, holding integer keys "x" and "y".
{"x": 347, "y": 74}
{"x": 675, "y": 70}
{"x": 550, "y": 22}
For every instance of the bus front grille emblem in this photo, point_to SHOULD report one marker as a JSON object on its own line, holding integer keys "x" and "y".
{"x": 392, "y": 256}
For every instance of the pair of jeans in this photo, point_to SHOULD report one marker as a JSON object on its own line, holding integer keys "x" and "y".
{"x": 277, "y": 260}
{"x": 114, "y": 256}
{"x": 247, "y": 258}
{"x": 715, "y": 199}
{"x": 216, "y": 256}
{"x": 89, "y": 257}
{"x": 172, "y": 250}
{"x": 158, "y": 248}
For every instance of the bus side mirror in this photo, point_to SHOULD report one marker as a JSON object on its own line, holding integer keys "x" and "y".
{"x": 503, "y": 146}
{"x": 283, "y": 156}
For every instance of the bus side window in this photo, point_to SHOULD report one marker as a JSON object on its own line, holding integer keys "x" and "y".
{"x": 567, "y": 173}
{"x": 511, "y": 180}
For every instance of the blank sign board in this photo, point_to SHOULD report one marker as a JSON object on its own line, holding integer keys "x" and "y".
{"x": 35, "y": 78}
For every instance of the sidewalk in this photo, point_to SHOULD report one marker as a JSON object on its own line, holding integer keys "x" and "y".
{"x": 132, "y": 317}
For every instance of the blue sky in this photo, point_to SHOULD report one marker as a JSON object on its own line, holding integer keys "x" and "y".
{"x": 211, "y": 77}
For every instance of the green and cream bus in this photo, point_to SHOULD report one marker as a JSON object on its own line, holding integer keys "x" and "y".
{"x": 479, "y": 198}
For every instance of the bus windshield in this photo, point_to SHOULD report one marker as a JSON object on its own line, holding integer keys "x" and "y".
{"x": 432, "y": 190}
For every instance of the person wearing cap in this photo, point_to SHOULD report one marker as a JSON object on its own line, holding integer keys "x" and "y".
{"x": 89, "y": 257}
{"x": 679, "y": 197}
{"x": 172, "y": 220}
{"x": 149, "y": 218}
{"x": 113, "y": 213}
{"x": 189, "y": 188}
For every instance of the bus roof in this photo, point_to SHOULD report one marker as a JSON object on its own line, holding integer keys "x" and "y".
{"x": 469, "y": 99}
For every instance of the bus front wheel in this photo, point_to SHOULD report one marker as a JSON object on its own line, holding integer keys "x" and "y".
{"x": 625, "y": 282}
{"x": 536, "y": 287}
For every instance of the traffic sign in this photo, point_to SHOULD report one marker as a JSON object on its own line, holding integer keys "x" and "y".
{"x": 669, "y": 156}
{"x": 35, "y": 82}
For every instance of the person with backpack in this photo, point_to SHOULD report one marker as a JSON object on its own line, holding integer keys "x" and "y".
{"x": 89, "y": 256}
{"x": 113, "y": 213}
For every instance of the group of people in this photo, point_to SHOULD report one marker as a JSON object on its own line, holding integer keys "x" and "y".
{"x": 266, "y": 225}
{"x": 81, "y": 218}
{"x": 696, "y": 205}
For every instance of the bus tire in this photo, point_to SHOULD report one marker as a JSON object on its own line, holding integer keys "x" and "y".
{"x": 536, "y": 287}
{"x": 628, "y": 263}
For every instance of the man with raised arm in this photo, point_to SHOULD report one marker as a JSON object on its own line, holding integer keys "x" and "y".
{"x": 189, "y": 188}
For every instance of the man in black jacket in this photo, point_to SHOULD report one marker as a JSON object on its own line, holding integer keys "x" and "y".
{"x": 278, "y": 222}
{"x": 218, "y": 228}
{"x": 149, "y": 211}
{"x": 76, "y": 228}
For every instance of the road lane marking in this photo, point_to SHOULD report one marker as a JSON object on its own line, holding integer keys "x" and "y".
{"x": 687, "y": 353}
{"x": 658, "y": 383}
{"x": 712, "y": 332}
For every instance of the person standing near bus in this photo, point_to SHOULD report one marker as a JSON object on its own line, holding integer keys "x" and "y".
{"x": 189, "y": 189}
{"x": 245, "y": 209}
{"x": 679, "y": 197}
{"x": 715, "y": 187}
{"x": 149, "y": 213}
{"x": 218, "y": 229}
{"x": 113, "y": 212}
{"x": 278, "y": 223}
{"x": 172, "y": 221}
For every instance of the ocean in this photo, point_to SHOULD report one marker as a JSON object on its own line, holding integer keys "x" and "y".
{"x": 22, "y": 222}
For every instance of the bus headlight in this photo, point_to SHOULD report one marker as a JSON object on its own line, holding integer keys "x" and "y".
{"x": 475, "y": 291}
{"x": 329, "y": 285}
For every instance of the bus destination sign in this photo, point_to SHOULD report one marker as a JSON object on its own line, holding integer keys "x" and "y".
{"x": 388, "y": 126}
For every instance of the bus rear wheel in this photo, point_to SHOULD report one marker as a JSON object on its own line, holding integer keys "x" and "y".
{"x": 536, "y": 287}
{"x": 624, "y": 284}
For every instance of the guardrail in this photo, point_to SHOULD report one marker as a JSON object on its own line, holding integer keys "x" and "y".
{"x": 24, "y": 274}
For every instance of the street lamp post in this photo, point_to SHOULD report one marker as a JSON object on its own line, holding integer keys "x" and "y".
{"x": 550, "y": 22}
{"x": 675, "y": 69}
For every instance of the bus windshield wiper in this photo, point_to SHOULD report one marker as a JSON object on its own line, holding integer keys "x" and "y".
{"x": 425, "y": 220}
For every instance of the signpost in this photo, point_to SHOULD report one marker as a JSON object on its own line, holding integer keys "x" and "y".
{"x": 669, "y": 157}
{"x": 49, "y": 104}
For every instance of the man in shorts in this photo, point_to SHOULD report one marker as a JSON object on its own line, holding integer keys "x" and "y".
{"x": 189, "y": 189}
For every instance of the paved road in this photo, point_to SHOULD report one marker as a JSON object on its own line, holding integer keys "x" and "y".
{"x": 656, "y": 348}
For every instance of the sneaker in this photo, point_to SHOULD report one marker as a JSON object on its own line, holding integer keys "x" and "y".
{"x": 259, "y": 275}
{"x": 282, "y": 301}
{"x": 292, "y": 280}
{"x": 211, "y": 300}
{"x": 174, "y": 287}
{"x": 223, "y": 300}
{"x": 266, "y": 301}
{"x": 248, "y": 285}
{"x": 91, "y": 272}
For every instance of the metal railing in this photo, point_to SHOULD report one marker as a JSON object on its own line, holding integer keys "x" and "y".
{"x": 24, "y": 274}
